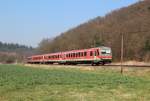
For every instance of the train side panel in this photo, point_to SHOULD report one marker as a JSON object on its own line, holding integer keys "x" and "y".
{"x": 98, "y": 55}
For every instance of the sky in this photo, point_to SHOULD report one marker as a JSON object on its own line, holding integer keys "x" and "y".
{"x": 27, "y": 22}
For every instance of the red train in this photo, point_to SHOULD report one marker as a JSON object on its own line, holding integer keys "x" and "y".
{"x": 94, "y": 56}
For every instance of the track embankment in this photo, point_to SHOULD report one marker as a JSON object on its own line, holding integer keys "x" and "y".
{"x": 88, "y": 67}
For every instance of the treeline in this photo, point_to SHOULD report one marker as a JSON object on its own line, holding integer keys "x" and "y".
{"x": 9, "y": 47}
{"x": 11, "y": 53}
{"x": 133, "y": 22}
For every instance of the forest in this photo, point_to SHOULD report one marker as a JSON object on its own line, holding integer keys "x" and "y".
{"x": 10, "y": 52}
{"x": 132, "y": 21}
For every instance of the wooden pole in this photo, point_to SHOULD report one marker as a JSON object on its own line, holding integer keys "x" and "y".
{"x": 122, "y": 46}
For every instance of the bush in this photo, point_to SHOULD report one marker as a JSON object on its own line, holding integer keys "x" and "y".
{"x": 147, "y": 57}
{"x": 7, "y": 58}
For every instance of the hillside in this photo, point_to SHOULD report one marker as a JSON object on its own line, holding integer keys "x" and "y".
{"x": 132, "y": 21}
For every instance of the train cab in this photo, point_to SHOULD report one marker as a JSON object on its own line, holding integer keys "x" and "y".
{"x": 106, "y": 54}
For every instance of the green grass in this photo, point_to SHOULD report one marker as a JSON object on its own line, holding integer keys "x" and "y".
{"x": 20, "y": 83}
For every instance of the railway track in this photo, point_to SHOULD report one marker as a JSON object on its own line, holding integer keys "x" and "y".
{"x": 130, "y": 65}
{"x": 112, "y": 65}
{"x": 108, "y": 65}
{"x": 117, "y": 66}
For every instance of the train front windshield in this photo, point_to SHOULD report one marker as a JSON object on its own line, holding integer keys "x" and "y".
{"x": 106, "y": 52}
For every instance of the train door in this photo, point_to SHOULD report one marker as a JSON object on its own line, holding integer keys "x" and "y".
{"x": 63, "y": 58}
{"x": 92, "y": 54}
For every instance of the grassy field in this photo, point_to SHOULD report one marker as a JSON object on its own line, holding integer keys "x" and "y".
{"x": 20, "y": 83}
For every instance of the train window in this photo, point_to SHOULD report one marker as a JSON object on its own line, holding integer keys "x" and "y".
{"x": 106, "y": 51}
{"x": 85, "y": 53}
{"x": 73, "y": 54}
{"x": 97, "y": 52}
{"x": 103, "y": 52}
{"x": 76, "y": 54}
{"x": 91, "y": 53}
{"x": 81, "y": 53}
